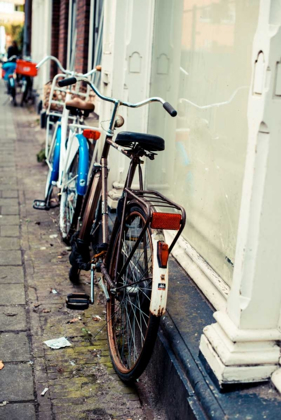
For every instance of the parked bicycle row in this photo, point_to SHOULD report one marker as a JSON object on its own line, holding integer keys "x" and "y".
{"x": 130, "y": 262}
{"x": 18, "y": 75}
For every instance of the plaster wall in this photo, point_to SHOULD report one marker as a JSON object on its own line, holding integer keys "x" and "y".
{"x": 41, "y": 39}
{"x": 201, "y": 63}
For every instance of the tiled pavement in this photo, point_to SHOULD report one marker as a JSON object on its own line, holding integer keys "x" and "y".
{"x": 80, "y": 380}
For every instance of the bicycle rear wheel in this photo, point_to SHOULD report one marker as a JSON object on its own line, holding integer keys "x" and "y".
{"x": 132, "y": 329}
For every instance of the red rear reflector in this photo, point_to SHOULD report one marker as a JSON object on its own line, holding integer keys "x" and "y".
{"x": 167, "y": 221}
{"x": 162, "y": 254}
{"x": 91, "y": 134}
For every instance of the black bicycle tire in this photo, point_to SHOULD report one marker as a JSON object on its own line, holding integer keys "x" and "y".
{"x": 24, "y": 96}
{"x": 74, "y": 275}
{"x": 153, "y": 324}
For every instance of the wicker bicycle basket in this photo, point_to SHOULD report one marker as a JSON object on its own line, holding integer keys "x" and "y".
{"x": 59, "y": 96}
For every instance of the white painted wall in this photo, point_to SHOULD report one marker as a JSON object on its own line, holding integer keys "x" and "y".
{"x": 243, "y": 345}
{"x": 41, "y": 39}
{"x": 126, "y": 66}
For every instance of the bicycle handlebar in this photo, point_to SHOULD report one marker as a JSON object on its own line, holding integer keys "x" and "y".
{"x": 12, "y": 58}
{"x": 51, "y": 57}
{"x": 68, "y": 72}
{"x": 67, "y": 82}
{"x": 166, "y": 105}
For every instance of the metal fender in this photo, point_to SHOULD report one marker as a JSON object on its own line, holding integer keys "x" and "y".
{"x": 83, "y": 165}
{"x": 56, "y": 157}
{"x": 159, "y": 291}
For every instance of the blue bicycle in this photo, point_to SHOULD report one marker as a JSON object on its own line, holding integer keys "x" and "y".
{"x": 10, "y": 77}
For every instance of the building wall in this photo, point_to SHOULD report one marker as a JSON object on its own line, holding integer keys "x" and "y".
{"x": 41, "y": 39}
{"x": 82, "y": 42}
{"x": 196, "y": 47}
{"x": 55, "y": 33}
{"x": 63, "y": 32}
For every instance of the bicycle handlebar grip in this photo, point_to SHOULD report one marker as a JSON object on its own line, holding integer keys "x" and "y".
{"x": 67, "y": 82}
{"x": 168, "y": 107}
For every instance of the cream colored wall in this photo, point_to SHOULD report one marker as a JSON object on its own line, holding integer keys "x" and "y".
{"x": 202, "y": 65}
{"x": 41, "y": 40}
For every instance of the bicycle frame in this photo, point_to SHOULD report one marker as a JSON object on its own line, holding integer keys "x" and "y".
{"x": 148, "y": 200}
{"x": 76, "y": 142}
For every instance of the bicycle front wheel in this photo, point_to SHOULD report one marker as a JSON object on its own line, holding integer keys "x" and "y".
{"x": 132, "y": 329}
{"x": 53, "y": 160}
{"x": 71, "y": 203}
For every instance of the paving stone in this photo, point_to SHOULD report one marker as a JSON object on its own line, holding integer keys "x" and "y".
{"x": 9, "y": 220}
{"x": 10, "y": 231}
{"x": 7, "y": 184}
{"x": 12, "y": 318}
{"x": 9, "y": 243}
{"x": 87, "y": 387}
{"x": 24, "y": 411}
{"x": 14, "y": 347}
{"x": 16, "y": 383}
{"x": 6, "y": 178}
{"x": 13, "y": 210}
{"x": 8, "y": 201}
{"x": 11, "y": 274}
{"x": 10, "y": 194}
{"x": 12, "y": 257}
{"x": 12, "y": 294}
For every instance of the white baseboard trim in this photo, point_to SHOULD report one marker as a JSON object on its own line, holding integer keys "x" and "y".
{"x": 209, "y": 282}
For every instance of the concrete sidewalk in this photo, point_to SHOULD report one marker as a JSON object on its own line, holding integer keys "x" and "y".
{"x": 34, "y": 283}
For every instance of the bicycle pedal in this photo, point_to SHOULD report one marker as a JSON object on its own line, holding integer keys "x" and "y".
{"x": 40, "y": 205}
{"x": 79, "y": 301}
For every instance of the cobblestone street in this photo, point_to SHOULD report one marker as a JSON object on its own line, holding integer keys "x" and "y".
{"x": 34, "y": 283}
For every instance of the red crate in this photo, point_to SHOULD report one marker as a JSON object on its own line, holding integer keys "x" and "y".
{"x": 26, "y": 68}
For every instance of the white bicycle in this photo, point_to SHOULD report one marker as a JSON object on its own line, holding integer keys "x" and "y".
{"x": 68, "y": 149}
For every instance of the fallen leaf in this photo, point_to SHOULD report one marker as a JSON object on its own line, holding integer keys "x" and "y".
{"x": 72, "y": 321}
{"x": 10, "y": 314}
{"x": 96, "y": 318}
{"x": 36, "y": 305}
{"x": 59, "y": 256}
{"x": 46, "y": 311}
{"x": 1, "y": 365}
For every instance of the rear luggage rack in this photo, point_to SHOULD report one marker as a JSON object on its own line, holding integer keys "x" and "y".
{"x": 154, "y": 203}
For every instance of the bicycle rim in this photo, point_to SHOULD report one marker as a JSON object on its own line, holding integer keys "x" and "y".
{"x": 132, "y": 329}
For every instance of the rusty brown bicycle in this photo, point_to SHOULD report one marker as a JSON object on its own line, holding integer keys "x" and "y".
{"x": 131, "y": 263}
